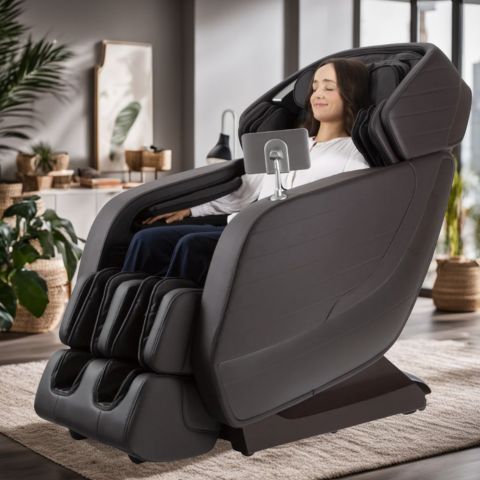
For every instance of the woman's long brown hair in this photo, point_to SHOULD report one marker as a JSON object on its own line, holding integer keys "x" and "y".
{"x": 353, "y": 84}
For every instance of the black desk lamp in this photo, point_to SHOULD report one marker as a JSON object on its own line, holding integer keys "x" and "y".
{"x": 221, "y": 151}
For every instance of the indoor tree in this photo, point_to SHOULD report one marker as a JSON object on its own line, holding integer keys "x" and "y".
{"x": 29, "y": 69}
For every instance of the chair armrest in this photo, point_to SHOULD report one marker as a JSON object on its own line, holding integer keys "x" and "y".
{"x": 112, "y": 230}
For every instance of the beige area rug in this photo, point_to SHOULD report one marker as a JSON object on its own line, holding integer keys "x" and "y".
{"x": 450, "y": 422}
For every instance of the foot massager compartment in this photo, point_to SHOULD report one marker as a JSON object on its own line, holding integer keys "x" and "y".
{"x": 141, "y": 399}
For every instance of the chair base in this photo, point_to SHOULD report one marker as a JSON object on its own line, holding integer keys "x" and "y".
{"x": 378, "y": 391}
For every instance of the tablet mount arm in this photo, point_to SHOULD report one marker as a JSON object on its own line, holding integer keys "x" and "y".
{"x": 276, "y": 162}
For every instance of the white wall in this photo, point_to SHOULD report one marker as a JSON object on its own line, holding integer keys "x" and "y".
{"x": 325, "y": 28}
{"x": 83, "y": 24}
{"x": 238, "y": 57}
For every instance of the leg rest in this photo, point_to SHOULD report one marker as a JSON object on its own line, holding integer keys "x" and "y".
{"x": 149, "y": 416}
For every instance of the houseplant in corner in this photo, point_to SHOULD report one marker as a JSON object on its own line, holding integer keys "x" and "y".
{"x": 27, "y": 238}
{"x": 457, "y": 286}
{"x": 29, "y": 69}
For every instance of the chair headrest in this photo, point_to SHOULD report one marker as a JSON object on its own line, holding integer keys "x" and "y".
{"x": 419, "y": 103}
{"x": 385, "y": 75}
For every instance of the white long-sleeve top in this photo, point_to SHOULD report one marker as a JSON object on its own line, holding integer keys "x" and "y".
{"x": 327, "y": 158}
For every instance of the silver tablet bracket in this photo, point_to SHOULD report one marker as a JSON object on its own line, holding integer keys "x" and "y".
{"x": 277, "y": 162}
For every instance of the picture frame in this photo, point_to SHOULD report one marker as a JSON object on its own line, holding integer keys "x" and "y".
{"x": 123, "y": 108}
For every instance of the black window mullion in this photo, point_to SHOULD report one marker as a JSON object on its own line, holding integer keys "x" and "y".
{"x": 413, "y": 20}
{"x": 457, "y": 53}
{"x": 457, "y": 33}
{"x": 356, "y": 23}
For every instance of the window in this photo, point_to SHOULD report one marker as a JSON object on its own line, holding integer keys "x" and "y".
{"x": 434, "y": 24}
{"x": 384, "y": 21}
{"x": 470, "y": 151}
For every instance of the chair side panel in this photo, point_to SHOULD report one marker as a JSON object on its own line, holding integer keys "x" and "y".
{"x": 281, "y": 314}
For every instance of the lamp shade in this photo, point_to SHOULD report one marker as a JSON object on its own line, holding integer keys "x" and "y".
{"x": 221, "y": 151}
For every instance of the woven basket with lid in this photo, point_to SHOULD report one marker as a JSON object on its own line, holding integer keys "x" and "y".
{"x": 457, "y": 286}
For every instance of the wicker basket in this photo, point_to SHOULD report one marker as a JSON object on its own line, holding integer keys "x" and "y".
{"x": 133, "y": 158}
{"x": 7, "y": 192}
{"x": 157, "y": 160}
{"x": 140, "y": 159}
{"x": 26, "y": 163}
{"x": 457, "y": 286}
{"x": 53, "y": 272}
{"x": 33, "y": 183}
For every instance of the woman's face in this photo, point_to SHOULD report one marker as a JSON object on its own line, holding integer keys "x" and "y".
{"x": 326, "y": 102}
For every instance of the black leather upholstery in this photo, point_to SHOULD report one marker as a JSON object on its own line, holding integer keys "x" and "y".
{"x": 302, "y": 299}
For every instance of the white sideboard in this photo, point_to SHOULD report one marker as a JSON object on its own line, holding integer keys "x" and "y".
{"x": 79, "y": 205}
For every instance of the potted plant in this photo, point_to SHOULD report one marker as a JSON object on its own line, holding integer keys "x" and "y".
{"x": 457, "y": 285}
{"x": 43, "y": 166}
{"x": 28, "y": 70}
{"x": 27, "y": 238}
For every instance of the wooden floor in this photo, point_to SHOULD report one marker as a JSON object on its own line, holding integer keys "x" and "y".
{"x": 19, "y": 463}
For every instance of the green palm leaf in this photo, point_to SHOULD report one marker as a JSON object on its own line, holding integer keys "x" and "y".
{"x": 28, "y": 70}
{"x": 10, "y": 29}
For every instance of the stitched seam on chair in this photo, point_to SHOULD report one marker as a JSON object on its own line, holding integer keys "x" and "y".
{"x": 423, "y": 112}
{"x": 299, "y": 267}
{"x": 428, "y": 132}
{"x": 328, "y": 234}
{"x": 426, "y": 92}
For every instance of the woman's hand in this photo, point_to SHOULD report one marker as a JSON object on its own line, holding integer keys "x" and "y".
{"x": 169, "y": 217}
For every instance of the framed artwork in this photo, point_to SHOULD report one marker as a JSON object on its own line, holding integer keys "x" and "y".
{"x": 123, "y": 103}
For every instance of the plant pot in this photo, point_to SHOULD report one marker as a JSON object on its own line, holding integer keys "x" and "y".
{"x": 33, "y": 183}
{"x": 60, "y": 161}
{"x": 26, "y": 163}
{"x": 7, "y": 192}
{"x": 457, "y": 286}
{"x": 53, "y": 272}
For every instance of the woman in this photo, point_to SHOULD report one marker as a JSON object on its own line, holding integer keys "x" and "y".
{"x": 339, "y": 91}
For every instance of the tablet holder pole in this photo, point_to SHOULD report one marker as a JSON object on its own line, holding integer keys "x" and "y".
{"x": 276, "y": 162}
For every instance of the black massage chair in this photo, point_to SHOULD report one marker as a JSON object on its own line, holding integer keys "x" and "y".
{"x": 303, "y": 297}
